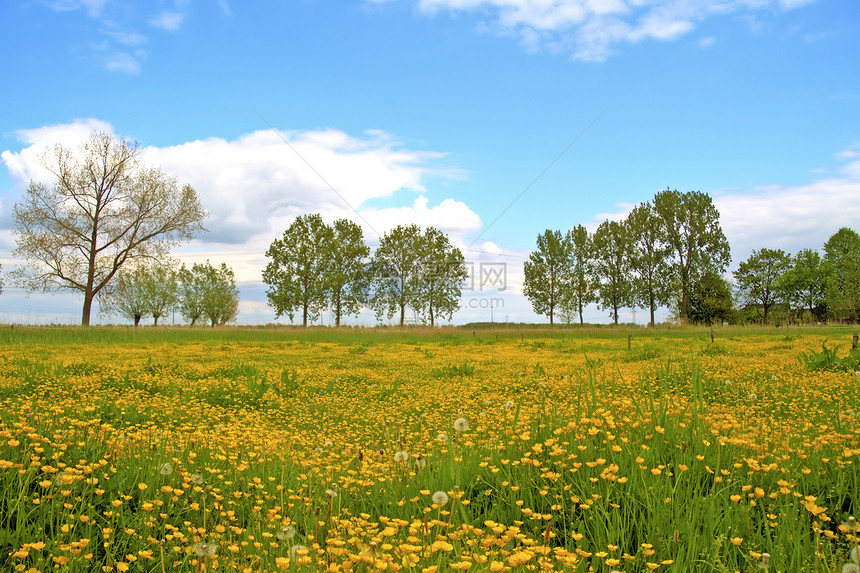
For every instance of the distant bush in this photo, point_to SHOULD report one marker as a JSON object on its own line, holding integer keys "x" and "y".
{"x": 829, "y": 361}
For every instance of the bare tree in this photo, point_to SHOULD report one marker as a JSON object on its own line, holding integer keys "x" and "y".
{"x": 105, "y": 209}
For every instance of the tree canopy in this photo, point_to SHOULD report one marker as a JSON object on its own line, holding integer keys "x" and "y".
{"x": 759, "y": 277}
{"x": 692, "y": 230}
{"x": 547, "y": 273}
{"x": 298, "y": 273}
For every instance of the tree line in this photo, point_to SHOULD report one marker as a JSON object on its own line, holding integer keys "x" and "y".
{"x": 315, "y": 266}
{"x": 671, "y": 251}
{"x": 806, "y": 286}
{"x": 660, "y": 251}
{"x": 202, "y": 292}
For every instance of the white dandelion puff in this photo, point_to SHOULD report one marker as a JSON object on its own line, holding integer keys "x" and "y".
{"x": 442, "y": 437}
{"x": 166, "y": 469}
{"x": 461, "y": 424}
{"x": 297, "y": 550}
{"x": 287, "y": 532}
{"x": 401, "y": 456}
{"x": 205, "y": 549}
{"x": 440, "y": 498}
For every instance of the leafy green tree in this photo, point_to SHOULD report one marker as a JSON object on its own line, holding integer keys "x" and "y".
{"x": 443, "y": 270}
{"x": 649, "y": 258}
{"x": 842, "y": 264}
{"x": 804, "y": 284}
{"x": 548, "y": 273}
{"x": 612, "y": 248}
{"x": 396, "y": 270}
{"x": 127, "y": 296}
{"x": 711, "y": 299}
{"x": 208, "y": 292}
{"x": 347, "y": 270}
{"x": 584, "y": 287}
{"x": 297, "y": 274}
{"x": 191, "y": 292}
{"x": 692, "y": 227}
{"x": 104, "y": 210}
{"x": 161, "y": 290}
{"x": 221, "y": 297}
{"x": 759, "y": 277}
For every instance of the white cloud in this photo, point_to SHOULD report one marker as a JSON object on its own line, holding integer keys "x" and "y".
{"x": 127, "y": 38}
{"x": 94, "y": 8}
{"x": 592, "y": 29}
{"x": 791, "y": 217}
{"x": 254, "y": 186}
{"x": 125, "y": 62}
{"x": 170, "y": 21}
{"x": 26, "y": 164}
{"x": 225, "y": 7}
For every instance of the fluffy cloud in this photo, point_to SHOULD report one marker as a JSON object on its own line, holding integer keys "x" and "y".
{"x": 254, "y": 186}
{"x": 170, "y": 21}
{"x": 591, "y": 29}
{"x": 791, "y": 217}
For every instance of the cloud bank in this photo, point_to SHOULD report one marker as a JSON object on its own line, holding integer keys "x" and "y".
{"x": 256, "y": 185}
{"x": 591, "y": 30}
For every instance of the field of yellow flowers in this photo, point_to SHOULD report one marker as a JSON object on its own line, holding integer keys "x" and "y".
{"x": 286, "y": 451}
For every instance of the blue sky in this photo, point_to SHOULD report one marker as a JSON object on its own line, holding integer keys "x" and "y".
{"x": 442, "y": 112}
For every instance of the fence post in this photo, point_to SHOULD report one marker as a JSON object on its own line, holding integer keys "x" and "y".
{"x": 628, "y": 341}
{"x": 712, "y": 334}
{"x": 854, "y": 342}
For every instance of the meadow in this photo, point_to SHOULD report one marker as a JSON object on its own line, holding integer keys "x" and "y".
{"x": 506, "y": 449}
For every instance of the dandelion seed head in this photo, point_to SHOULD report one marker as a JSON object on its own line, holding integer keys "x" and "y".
{"x": 196, "y": 479}
{"x": 401, "y": 456}
{"x": 509, "y": 404}
{"x": 442, "y": 437}
{"x": 287, "y": 532}
{"x": 294, "y": 551}
{"x": 461, "y": 424}
{"x": 440, "y": 498}
{"x": 205, "y": 549}
{"x": 166, "y": 469}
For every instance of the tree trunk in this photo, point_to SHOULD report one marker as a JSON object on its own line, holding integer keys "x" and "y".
{"x": 305, "y": 316}
{"x": 652, "y": 312}
{"x": 137, "y": 318}
{"x": 337, "y": 311}
{"x": 581, "y": 323}
{"x": 88, "y": 304}
{"x": 432, "y": 323}
{"x": 402, "y": 314}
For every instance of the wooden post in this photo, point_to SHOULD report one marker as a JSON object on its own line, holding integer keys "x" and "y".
{"x": 854, "y": 342}
{"x": 628, "y": 341}
{"x": 712, "y": 334}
